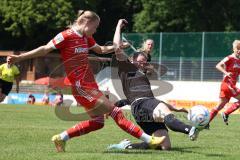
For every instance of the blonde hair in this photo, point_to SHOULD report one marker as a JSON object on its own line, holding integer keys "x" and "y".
{"x": 83, "y": 16}
{"x": 143, "y": 47}
{"x": 236, "y": 43}
{"x": 87, "y": 15}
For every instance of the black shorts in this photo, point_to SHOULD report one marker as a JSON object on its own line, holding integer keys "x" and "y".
{"x": 5, "y": 86}
{"x": 151, "y": 127}
{"x": 142, "y": 111}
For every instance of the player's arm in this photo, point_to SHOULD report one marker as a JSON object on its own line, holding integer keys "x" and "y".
{"x": 40, "y": 51}
{"x": 108, "y": 49}
{"x": 122, "y": 102}
{"x": 221, "y": 66}
{"x": 117, "y": 43}
{"x": 100, "y": 59}
{"x": 103, "y": 49}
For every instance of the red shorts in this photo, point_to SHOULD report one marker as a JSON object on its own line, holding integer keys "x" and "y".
{"x": 228, "y": 91}
{"x": 86, "y": 95}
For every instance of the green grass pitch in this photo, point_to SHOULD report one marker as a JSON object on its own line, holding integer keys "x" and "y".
{"x": 25, "y": 133}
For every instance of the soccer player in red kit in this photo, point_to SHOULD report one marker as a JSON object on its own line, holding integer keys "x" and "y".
{"x": 74, "y": 45}
{"x": 230, "y": 67}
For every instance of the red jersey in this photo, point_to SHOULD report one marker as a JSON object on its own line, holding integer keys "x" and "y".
{"x": 74, "y": 50}
{"x": 232, "y": 65}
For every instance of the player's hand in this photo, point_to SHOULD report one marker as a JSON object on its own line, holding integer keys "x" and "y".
{"x": 14, "y": 58}
{"x": 125, "y": 45}
{"x": 122, "y": 23}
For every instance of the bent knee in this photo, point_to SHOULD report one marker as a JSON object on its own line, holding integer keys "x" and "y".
{"x": 160, "y": 112}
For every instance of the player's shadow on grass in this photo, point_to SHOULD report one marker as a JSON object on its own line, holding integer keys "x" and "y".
{"x": 132, "y": 151}
{"x": 189, "y": 150}
{"x": 216, "y": 155}
{"x": 175, "y": 149}
{"x": 149, "y": 151}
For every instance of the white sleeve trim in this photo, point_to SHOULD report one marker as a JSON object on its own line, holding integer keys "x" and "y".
{"x": 225, "y": 60}
{"x": 95, "y": 45}
{"x": 52, "y": 44}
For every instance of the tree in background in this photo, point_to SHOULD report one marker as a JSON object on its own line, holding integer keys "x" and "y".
{"x": 32, "y": 22}
{"x": 26, "y": 24}
{"x": 187, "y": 16}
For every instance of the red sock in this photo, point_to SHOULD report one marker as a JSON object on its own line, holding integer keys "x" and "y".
{"x": 125, "y": 124}
{"x": 86, "y": 127}
{"x": 213, "y": 113}
{"x": 232, "y": 108}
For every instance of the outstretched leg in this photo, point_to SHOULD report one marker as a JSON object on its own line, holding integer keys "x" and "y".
{"x": 77, "y": 130}
{"x": 166, "y": 145}
{"x": 134, "y": 130}
{"x": 214, "y": 111}
{"x": 163, "y": 113}
{"x": 230, "y": 110}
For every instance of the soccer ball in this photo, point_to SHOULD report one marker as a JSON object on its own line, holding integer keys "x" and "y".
{"x": 199, "y": 116}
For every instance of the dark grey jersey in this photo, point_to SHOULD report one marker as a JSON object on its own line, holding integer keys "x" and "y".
{"x": 134, "y": 82}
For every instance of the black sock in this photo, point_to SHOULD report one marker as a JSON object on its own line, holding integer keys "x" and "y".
{"x": 176, "y": 125}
